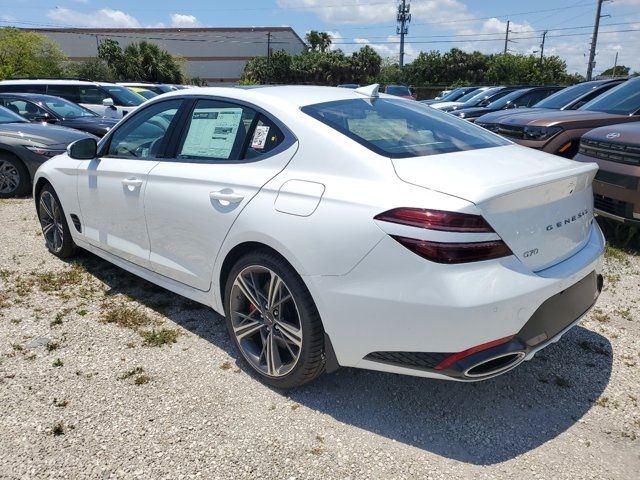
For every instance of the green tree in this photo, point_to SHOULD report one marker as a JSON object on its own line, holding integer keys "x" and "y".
{"x": 29, "y": 54}
{"x": 143, "y": 61}
{"x": 365, "y": 65}
{"x": 318, "y": 41}
{"x": 94, "y": 69}
{"x": 620, "y": 70}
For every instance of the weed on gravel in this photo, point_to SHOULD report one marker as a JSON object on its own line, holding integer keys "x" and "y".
{"x": 127, "y": 316}
{"x": 158, "y": 338}
{"x": 56, "y": 281}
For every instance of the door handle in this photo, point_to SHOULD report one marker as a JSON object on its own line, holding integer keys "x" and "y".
{"x": 226, "y": 195}
{"x": 132, "y": 182}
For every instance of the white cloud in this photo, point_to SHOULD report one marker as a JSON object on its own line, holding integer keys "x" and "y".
{"x": 105, "y": 17}
{"x": 184, "y": 21}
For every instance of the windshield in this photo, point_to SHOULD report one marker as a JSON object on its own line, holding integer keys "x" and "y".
{"x": 66, "y": 109}
{"x": 7, "y": 116}
{"x": 483, "y": 95}
{"x": 621, "y": 100}
{"x": 502, "y": 102}
{"x": 473, "y": 93}
{"x": 123, "y": 96}
{"x": 398, "y": 90}
{"x": 400, "y": 129}
{"x": 562, "y": 98}
{"x": 146, "y": 93}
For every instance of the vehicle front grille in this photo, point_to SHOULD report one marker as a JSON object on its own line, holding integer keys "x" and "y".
{"x": 613, "y": 206}
{"x": 408, "y": 359}
{"x": 510, "y": 131}
{"x": 613, "y": 152}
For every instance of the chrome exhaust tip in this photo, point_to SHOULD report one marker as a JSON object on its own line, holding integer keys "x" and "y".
{"x": 495, "y": 365}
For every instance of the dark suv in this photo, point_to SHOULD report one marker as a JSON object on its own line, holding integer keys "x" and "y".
{"x": 616, "y": 188}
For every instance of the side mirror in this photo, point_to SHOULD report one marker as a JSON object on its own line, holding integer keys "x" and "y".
{"x": 107, "y": 102}
{"x": 85, "y": 149}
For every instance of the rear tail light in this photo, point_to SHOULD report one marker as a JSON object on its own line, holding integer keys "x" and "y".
{"x": 440, "y": 252}
{"x": 436, "y": 220}
{"x": 454, "y": 222}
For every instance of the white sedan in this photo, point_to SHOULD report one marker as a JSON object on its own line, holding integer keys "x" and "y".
{"x": 337, "y": 227}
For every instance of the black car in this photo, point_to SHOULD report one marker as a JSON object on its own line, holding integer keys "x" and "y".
{"x": 525, "y": 97}
{"x": 40, "y": 108}
{"x": 24, "y": 146}
{"x": 481, "y": 99}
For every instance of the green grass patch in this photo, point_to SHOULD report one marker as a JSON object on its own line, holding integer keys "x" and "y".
{"x": 158, "y": 338}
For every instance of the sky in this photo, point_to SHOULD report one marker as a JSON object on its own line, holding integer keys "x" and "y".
{"x": 435, "y": 24}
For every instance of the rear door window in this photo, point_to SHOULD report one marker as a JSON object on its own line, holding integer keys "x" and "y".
{"x": 218, "y": 131}
{"x": 69, "y": 92}
{"x": 28, "y": 110}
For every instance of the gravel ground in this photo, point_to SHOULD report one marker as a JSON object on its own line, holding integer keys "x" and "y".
{"x": 103, "y": 375}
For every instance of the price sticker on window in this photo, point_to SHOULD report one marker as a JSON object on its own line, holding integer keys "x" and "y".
{"x": 260, "y": 137}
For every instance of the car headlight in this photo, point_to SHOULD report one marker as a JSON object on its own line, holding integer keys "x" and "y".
{"x": 540, "y": 133}
{"x": 44, "y": 151}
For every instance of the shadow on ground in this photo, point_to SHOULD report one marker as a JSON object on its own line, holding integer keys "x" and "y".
{"x": 480, "y": 423}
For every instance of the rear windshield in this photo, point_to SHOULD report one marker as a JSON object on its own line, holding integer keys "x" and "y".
{"x": 564, "y": 97}
{"x": 621, "y": 100}
{"x": 399, "y": 129}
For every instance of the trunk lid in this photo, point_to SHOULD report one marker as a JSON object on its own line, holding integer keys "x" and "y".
{"x": 541, "y": 205}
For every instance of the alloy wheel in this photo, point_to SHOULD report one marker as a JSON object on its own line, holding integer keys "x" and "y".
{"x": 9, "y": 177}
{"x": 51, "y": 221}
{"x": 266, "y": 321}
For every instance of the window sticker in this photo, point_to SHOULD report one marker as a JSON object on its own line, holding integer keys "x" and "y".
{"x": 212, "y": 132}
{"x": 260, "y": 137}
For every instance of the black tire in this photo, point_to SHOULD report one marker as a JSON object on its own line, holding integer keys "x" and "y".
{"x": 63, "y": 247}
{"x": 311, "y": 360}
{"x": 13, "y": 168}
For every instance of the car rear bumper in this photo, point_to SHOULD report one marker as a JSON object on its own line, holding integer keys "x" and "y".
{"x": 394, "y": 303}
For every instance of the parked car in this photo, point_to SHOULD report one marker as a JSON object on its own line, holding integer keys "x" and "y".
{"x": 569, "y": 98}
{"x": 46, "y": 108}
{"x": 481, "y": 99}
{"x": 143, "y": 92}
{"x": 517, "y": 99}
{"x": 444, "y": 103}
{"x": 349, "y": 85}
{"x": 442, "y": 94}
{"x": 158, "y": 88}
{"x": 399, "y": 91}
{"x": 559, "y": 132}
{"x": 24, "y": 147}
{"x": 452, "y": 96}
{"x": 252, "y": 221}
{"x": 616, "y": 188}
{"x": 106, "y": 99}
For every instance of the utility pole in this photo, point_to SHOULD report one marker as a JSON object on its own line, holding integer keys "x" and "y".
{"x": 404, "y": 17}
{"x": 544, "y": 35}
{"x": 594, "y": 41}
{"x": 506, "y": 38}
{"x": 615, "y": 65}
{"x": 268, "y": 55}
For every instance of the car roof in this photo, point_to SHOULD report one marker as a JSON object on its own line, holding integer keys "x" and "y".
{"x": 31, "y": 96}
{"x": 52, "y": 81}
{"x": 293, "y": 95}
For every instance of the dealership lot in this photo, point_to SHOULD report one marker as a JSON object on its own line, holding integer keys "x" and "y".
{"x": 103, "y": 375}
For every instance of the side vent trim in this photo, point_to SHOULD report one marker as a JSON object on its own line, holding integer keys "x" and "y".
{"x": 76, "y": 222}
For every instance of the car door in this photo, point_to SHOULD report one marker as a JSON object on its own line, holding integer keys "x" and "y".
{"x": 111, "y": 187}
{"x": 225, "y": 154}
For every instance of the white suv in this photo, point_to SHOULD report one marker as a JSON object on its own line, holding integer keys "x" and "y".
{"x": 106, "y": 99}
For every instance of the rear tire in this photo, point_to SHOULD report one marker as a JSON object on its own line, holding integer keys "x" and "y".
{"x": 14, "y": 177}
{"x": 54, "y": 224}
{"x": 273, "y": 321}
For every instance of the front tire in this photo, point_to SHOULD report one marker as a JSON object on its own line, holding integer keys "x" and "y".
{"x": 273, "y": 321}
{"x": 14, "y": 177}
{"x": 54, "y": 224}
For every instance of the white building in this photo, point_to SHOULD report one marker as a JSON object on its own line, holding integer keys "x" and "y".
{"x": 217, "y": 55}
